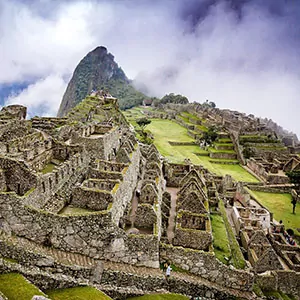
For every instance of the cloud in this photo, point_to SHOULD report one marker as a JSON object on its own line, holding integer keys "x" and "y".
{"x": 41, "y": 98}
{"x": 243, "y": 55}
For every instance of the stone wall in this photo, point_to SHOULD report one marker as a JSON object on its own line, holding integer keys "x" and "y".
{"x": 207, "y": 266}
{"x": 285, "y": 281}
{"x": 66, "y": 174}
{"x": 123, "y": 194}
{"x": 91, "y": 234}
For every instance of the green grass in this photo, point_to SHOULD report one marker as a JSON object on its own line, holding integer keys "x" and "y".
{"x": 236, "y": 254}
{"x": 224, "y": 141}
{"x": 160, "y": 297}
{"x": 281, "y": 207}
{"x": 48, "y": 168}
{"x": 15, "y": 287}
{"x": 77, "y": 293}
{"x": 278, "y": 295}
{"x": 167, "y": 130}
{"x": 220, "y": 242}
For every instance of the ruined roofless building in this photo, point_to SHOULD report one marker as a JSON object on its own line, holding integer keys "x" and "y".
{"x": 82, "y": 202}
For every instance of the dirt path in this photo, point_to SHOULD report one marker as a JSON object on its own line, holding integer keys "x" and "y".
{"x": 171, "y": 227}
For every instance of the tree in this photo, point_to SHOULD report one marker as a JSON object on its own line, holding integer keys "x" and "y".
{"x": 210, "y": 135}
{"x": 142, "y": 122}
{"x": 176, "y": 99}
{"x": 209, "y": 104}
{"x": 294, "y": 177}
{"x": 144, "y": 135}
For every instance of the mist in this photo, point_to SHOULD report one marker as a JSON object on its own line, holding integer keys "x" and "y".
{"x": 242, "y": 55}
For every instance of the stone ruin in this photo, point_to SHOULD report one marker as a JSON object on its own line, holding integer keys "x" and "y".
{"x": 82, "y": 189}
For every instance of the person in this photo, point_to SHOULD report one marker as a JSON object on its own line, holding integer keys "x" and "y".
{"x": 294, "y": 202}
{"x": 168, "y": 271}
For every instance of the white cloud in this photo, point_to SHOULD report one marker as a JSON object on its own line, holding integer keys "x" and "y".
{"x": 246, "y": 64}
{"x": 41, "y": 98}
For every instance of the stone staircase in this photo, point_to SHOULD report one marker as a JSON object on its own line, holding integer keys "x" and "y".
{"x": 122, "y": 270}
{"x": 62, "y": 257}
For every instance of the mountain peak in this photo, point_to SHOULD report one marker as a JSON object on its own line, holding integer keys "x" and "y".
{"x": 95, "y": 70}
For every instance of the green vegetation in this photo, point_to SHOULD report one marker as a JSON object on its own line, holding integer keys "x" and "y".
{"x": 127, "y": 95}
{"x": 221, "y": 242}
{"x": 294, "y": 177}
{"x": 210, "y": 135}
{"x": 14, "y": 286}
{"x": 236, "y": 254}
{"x": 48, "y": 168}
{"x": 160, "y": 297}
{"x": 171, "y": 98}
{"x": 77, "y": 293}
{"x": 281, "y": 207}
{"x": 164, "y": 131}
{"x": 278, "y": 295}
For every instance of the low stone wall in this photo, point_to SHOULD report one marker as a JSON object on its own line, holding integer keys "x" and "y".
{"x": 285, "y": 281}
{"x": 123, "y": 285}
{"x": 91, "y": 198}
{"x": 91, "y": 234}
{"x": 222, "y": 155}
{"x": 182, "y": 143}
{"x": 41, "y": 279}
{"x": 207, "y": 266}
{"x": 267, "y": 189}
{"x": 28, "y": 258}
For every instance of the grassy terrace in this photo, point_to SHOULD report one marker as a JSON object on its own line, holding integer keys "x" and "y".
{"x": 280, "y": 205}
{"x": 15, "y": 287}
{"x": 220, "y": 243}
{"x": 167, "y": 130}
{"x": 77, "y": 293}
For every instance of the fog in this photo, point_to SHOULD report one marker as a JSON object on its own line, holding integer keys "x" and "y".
{"x": 243, "y": 55}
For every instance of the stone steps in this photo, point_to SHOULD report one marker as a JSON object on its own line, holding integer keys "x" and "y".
{"x": 63, "y": 257}
{"x": 142, "y": 271}
{"x": 69, "y": 258}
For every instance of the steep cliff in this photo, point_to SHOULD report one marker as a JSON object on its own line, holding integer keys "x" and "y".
{"x": 95, "y": 71}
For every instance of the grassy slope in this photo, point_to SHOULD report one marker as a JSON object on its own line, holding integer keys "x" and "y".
{"x": 160, "y": 297}
{"x": 280, "y": 205}
{"x": 166, "y": 130}
{"x": 220, "y": 243}
{"x": 77, "y": 293}
{"x": 15, "y": 287}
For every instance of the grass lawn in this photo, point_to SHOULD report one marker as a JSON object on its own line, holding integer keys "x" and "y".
{"x": 280, "y": 205}
{"x": 15, "y": 287}
{"x": 167, "y": 130}
{"x": 221, "y": 242}
{"x": 77, "y": 293}
{"x": 48, "y": 168}
{"x": 160, "y": 297}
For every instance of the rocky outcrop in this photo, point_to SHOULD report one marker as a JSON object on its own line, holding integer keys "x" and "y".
{"x": 98, "y": 70}
{"x": 93, "y": 71}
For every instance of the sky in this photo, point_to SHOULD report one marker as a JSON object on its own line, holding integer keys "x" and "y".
{"x": 240, "y": 54}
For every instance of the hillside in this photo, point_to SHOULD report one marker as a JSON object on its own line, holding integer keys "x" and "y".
{"x": 98, "y": 70}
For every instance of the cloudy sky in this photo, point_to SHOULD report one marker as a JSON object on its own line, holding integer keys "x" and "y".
{"x": 241, "y": 54}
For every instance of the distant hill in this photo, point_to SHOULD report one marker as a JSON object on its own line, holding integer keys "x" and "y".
{"x": 95, "y": 71}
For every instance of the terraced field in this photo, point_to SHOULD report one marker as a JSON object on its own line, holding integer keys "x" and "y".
{"x": 280, "y": 205}
{"x": 165, "y": 131}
